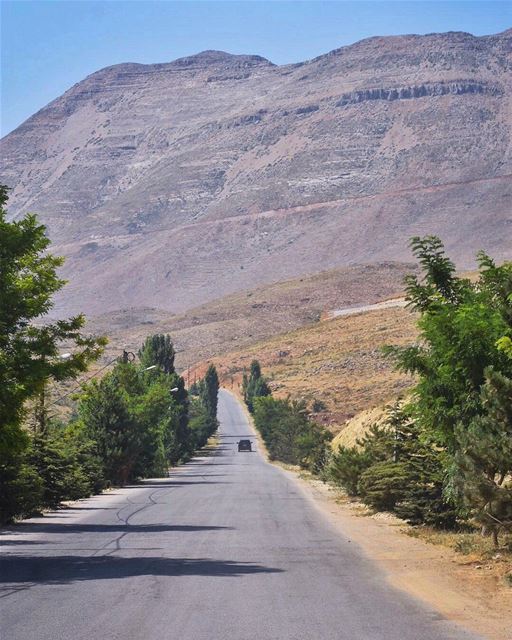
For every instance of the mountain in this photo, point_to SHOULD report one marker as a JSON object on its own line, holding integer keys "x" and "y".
{"x": 168, "y": 185}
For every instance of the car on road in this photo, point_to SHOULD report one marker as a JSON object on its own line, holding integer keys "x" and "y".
{"x": 244, "y": 445}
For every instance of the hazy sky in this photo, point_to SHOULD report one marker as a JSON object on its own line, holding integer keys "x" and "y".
{"x": 49, "y": 45}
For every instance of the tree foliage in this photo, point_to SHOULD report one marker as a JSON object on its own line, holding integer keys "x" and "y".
{"x": 482, "y": 466}
{"x": 137, "y": 419}
{"x": 29, "y": 351}
{"x": 461, "y": 402}
{"x": 289, "y": 434}
{"x": 460, "y": 325}
{"x": 158, "y": 350}
{"x": 210, "y": 391}
{"x": 392, "y": 468}
{"x": 254, "y": 386}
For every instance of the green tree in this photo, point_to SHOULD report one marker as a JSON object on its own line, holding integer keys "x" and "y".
{"x": 462, "y": 365}
{"x": 107, "y": 421}
{"x": 483, "y": 461}
{"x": 460, "y": 324}
{"x": 254, "y": 386}
{"x": 347, "y": 464}
{"x": 29, "y": 352}
{"x": 289, "y": 434}
{"x": 393, "y": 468}
{"x": 158, "y": 350}
{"x": 21, "y": 488}
{"x": 201, "y": 426}
{"x": 345, "y": 467}
{"x": 210, "y": 391}
{"x": 58, "y": 467}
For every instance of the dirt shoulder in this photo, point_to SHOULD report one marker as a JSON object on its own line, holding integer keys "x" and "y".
{"x": 466, "y": 592}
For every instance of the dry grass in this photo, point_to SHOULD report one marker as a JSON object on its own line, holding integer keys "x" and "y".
{"x": 358, "y": 426}
{"x": 241, "y": 320}
{"x": 338, "y": 362}
{"x": 475, "y": 550}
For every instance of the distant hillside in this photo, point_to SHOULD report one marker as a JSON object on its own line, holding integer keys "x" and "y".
{"x": 170, "y": 185}
{"x": 244, "y": 319}
{"x": 338, "y": 362}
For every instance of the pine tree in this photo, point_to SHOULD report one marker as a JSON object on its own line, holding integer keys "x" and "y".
{"x": 483, "y": 463}
{"x": 158, "y": 350}
{"x": 105, "y": 413}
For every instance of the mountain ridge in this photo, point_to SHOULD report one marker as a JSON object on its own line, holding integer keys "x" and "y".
{"x": 176, "y": 183}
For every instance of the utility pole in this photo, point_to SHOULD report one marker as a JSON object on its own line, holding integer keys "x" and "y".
{"x": 40, "y": 408}
{"x": 40, "y": 414}
{"x": 127, "y": 357}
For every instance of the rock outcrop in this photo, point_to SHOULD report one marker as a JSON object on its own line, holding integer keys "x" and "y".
{"x": 456, "y": 88}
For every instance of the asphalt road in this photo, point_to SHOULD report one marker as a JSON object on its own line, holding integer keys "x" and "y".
{"x": 227, "y": 547}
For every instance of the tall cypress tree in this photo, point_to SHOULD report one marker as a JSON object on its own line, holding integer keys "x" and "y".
{"x": 254, "y": 386}
{"x": 210, "y": 391}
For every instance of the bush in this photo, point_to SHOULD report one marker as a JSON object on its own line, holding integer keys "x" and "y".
{"x": 391, "y": 468}
{"x": 21, "y": 490}
{"x": 384, "y": 484}
{"x": 346, "y": 466}
{"x": 318, "y": 405}
{"x": 289, "y": 434}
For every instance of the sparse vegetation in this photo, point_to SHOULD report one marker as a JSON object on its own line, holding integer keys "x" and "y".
{"x": 449, "y": 454}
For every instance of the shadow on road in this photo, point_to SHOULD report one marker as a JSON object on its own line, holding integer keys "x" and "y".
{"x": 184, "y": 474}
{"x": 209, "y": 464}
{"x": 171, "y": 483}
{"x": 10, "y": 543}
{"x": 80, "y": 508}
{"x": 50, "y": 527}
{"x": 67, "y": 569}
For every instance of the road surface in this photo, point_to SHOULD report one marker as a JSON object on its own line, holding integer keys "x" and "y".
{"x": 226, "y": 548}
{"x": 351, "y": 311}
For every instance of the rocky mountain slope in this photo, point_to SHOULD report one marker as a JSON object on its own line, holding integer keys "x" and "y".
{"x": 240, "y": 320}
{"x": 169, "y": 185}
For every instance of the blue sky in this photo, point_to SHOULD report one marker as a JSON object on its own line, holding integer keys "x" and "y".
{"x": 48, "y": 45}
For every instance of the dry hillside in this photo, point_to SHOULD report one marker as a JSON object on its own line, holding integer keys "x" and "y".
{"x": 241, "y": 320}
{"x": 337, "y": 362}
{"x": 170, "y": 185}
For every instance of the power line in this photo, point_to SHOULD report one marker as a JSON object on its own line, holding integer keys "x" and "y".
{"x": 83, "y": 382}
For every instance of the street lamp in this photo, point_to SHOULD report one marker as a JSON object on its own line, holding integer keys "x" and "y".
{"x": 127, "y": 356}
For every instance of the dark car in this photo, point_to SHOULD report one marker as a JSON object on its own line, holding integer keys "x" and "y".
{"x": 244, "y": 445}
